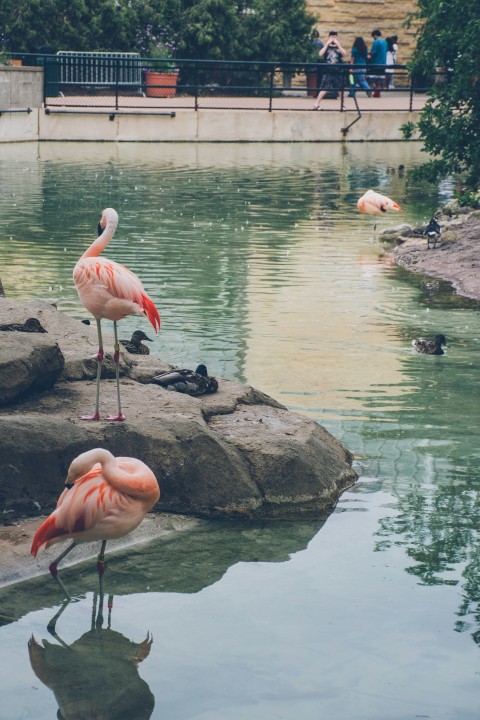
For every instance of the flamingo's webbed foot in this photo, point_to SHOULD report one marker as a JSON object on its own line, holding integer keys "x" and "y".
{"x": 116, "y": 418}
{"x": 95, "y": 416}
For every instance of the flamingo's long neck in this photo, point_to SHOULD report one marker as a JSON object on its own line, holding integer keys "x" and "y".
{"x": 102, "y": 241}
{"x": 134, "y": 481}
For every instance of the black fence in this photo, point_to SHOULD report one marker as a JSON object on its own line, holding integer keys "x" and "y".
{"x": 126, "y": 80}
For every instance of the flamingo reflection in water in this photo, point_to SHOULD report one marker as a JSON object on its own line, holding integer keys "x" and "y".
{"x": 96, "y": 676}
{"x": 105, "y": 498}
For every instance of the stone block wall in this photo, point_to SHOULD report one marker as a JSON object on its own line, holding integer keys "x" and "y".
{"x": 351, "y": 18}
{"x": 21, "y": 87}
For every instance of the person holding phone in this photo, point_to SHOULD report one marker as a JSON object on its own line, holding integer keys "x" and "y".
{"x": 332, "y": 53}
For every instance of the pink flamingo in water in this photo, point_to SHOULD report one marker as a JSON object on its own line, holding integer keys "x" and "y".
{"x": 373, "y": 203}
{"x": 112, "y": 291}
{"x": 105, "y": 498}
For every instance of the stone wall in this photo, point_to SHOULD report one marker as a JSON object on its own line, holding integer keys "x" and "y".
{"x": 351, "y": 18}
{"x": 21, "y": 90}
{"x": 20, "y": 87}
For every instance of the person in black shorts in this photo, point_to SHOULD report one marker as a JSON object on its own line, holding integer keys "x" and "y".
{"x": 333, "y": 54}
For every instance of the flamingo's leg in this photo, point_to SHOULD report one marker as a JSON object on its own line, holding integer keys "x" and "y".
{"x": 51, "y": 627}
{"x": 96, "y": 414}
{"x": 116, "y": 356}
{"x": 101, "y": 565}
{"x": 54, "y": 570}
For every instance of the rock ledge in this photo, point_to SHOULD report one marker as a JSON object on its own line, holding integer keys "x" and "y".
{"x": 235, "y": 453}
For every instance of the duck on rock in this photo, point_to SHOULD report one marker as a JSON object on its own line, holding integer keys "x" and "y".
{"x": 186, "y": 381}
{"x": 135, "y": 345}
{"x": 31, "y": 325}
{"x": 430, "y": 347}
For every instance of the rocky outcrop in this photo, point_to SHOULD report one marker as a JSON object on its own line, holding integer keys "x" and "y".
{"x": 235, "y": 453}
{"x": 455, "y": 257}
{"x": 28, "y": 363}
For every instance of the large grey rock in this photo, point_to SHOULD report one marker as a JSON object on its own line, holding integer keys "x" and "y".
{"x": 235, "y": 453}
{"x": 28, "y": 363}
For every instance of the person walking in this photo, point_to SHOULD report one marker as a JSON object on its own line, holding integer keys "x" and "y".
{"x": 333, "y": 54}
{"x": 392, "y": 48}
{"x": 359, "y": 57}
{"x": 377, "y": 57}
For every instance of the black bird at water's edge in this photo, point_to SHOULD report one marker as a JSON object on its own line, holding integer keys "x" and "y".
{"x": 432, "y": 232}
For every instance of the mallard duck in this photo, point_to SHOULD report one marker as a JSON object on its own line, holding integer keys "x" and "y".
{"x": 430, "y": 347}
{"x": 186, "y": 381}
{"x": 432, "y": 232}
{"x": 31, "y": 325}
{"x": 134, "y": 345}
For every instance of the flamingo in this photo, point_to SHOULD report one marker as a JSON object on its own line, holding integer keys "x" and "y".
{"x": 112, "y": 291}
{"x": 105, "y": 498}
{"x": 374, "y": 203}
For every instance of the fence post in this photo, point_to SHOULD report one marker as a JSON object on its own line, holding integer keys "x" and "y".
{"x": 270, "y": 99}
{"x": 117, "y": 81}
{"x": 411, "y": 92}
{"x": 196, "y": 87}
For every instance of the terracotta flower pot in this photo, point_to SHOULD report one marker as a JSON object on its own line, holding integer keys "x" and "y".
{"x": 161, "y": 84}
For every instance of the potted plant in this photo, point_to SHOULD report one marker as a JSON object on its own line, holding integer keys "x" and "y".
{"x": 161, "y": 76}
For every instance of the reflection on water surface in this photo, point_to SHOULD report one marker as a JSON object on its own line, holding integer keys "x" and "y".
{"x": 263, "y": 269}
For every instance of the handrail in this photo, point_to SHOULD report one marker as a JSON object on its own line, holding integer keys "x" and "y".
{"x": 15, "y": 110}
{"x": 110, "y": 113}
{"x": 257, "y": 83}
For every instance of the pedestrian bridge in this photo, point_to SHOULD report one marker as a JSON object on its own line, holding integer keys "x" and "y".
{"x": 248, "y": 103}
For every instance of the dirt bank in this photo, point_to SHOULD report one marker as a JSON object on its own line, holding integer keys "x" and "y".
{"x": 456, "y": 257}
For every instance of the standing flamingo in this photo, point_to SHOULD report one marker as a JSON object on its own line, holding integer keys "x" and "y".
{"x": 105, "y": 498}
{"x": 374, "y": 203}
{"x": 112, "y": 291}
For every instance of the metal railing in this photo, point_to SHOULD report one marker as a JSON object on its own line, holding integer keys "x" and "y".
{"x": 100, "y": 69}
{"x": 123, "y": 81}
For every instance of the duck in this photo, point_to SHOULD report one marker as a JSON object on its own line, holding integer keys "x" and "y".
{"x": 135, "y": 346}
{"x": 432, "y": 232}
{"x": 191, "y": 382}
{"x": 31, "y": 325}
{"x": 430, "y": 347}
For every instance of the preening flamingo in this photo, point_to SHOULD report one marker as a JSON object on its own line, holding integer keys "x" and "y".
{"x": 374, "y": 203}
{"x": 110, "y": 290}
{"x": 105, "y": 498}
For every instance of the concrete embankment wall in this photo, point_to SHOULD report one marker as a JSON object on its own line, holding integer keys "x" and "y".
{"x": 21, "y": 89}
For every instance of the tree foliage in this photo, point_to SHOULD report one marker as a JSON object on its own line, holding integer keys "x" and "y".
{"x": 449, "y": 126}
{"x": 206, "y": 29}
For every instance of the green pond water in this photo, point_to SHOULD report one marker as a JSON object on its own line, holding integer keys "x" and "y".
{"x": 263, "y": 269}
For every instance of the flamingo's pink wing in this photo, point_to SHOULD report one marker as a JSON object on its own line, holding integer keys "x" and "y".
{"x": 119, "y": 282}
{"x": 82, "y": 509}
